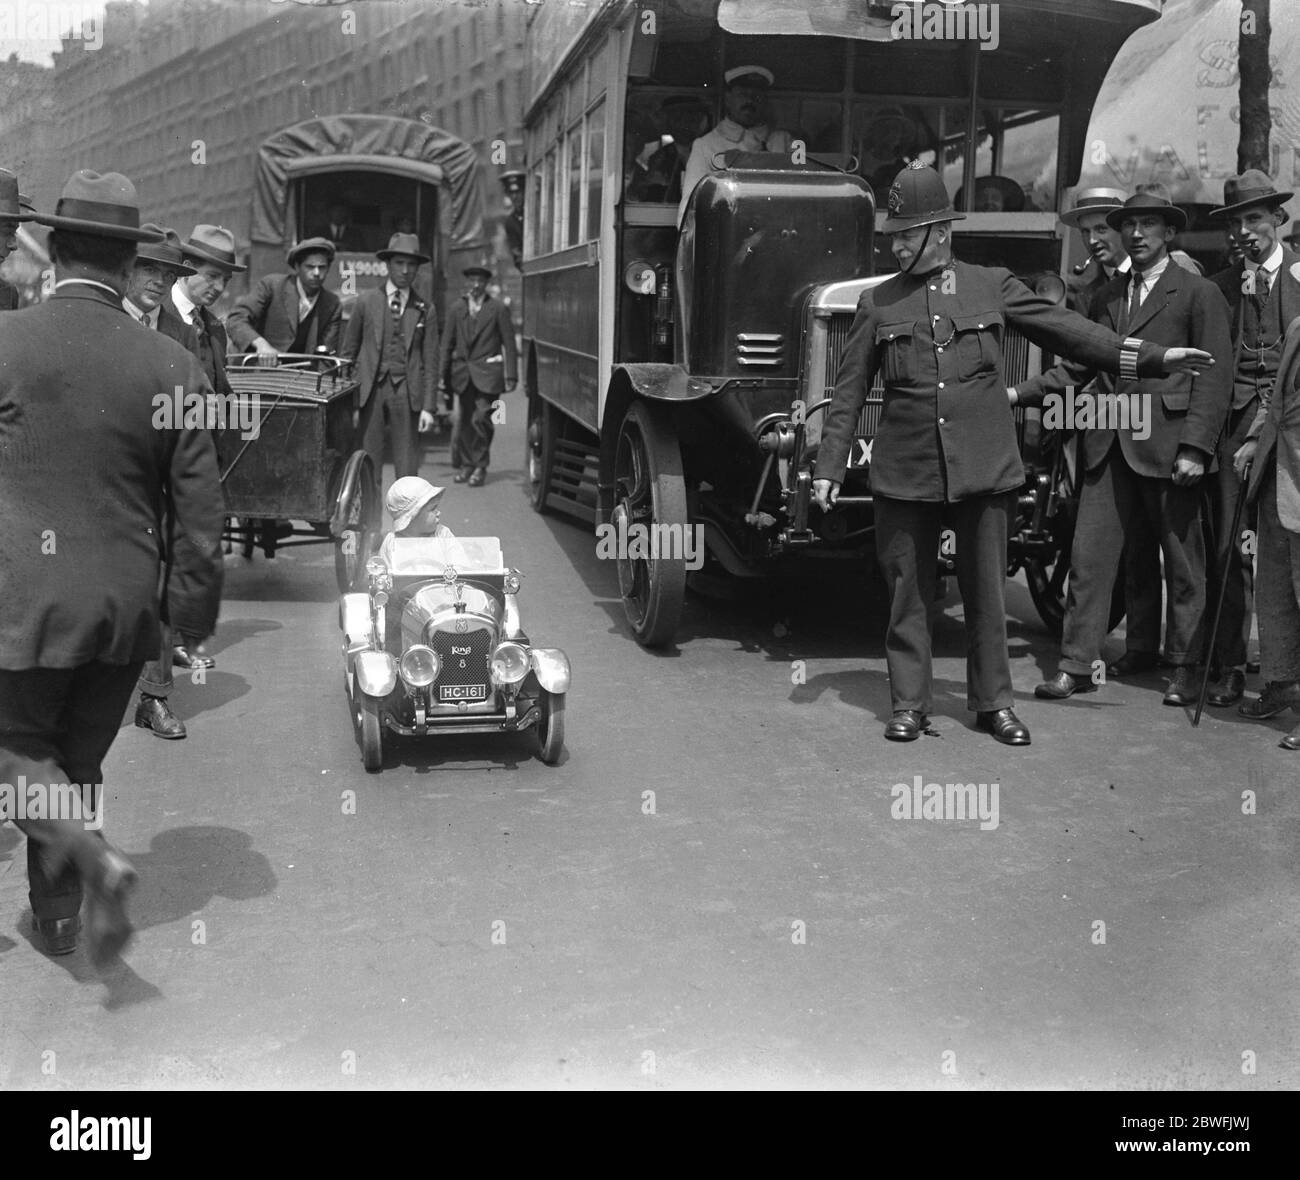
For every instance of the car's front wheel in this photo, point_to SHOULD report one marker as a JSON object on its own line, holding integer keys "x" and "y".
{"x": 550, "y": 726}
{"x": 370, "y": 732}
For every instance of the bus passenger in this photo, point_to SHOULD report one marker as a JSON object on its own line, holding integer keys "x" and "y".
{"x": 744, "y": 127}
{"x": 657, "y": 175}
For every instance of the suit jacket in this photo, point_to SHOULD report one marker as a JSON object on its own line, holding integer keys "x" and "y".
{"x": 1083, "y": 287}
{"x": 218, "y": 344}
{"x": 1181, "y": 310}
{"x": 479, "y": 348}
{"x": 86, "y": 462}
{"x": 1277, "y": 430}
{"x": 270, "y": 310}
{"x": 363, "y": 342}
{"x": 946, "y": 428}
{"x": 1229, "y": 281}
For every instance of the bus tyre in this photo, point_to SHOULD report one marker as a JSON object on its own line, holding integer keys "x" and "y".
{"x": 649, "y": 507}
{"x": 541, "y": 454}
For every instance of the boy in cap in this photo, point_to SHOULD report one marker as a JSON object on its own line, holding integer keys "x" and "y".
{"x": 290, "y": 312}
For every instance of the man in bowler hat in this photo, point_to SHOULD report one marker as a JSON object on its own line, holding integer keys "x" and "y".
{"x": 290, "y": 312}
{"x": 84, "y": 474}
{"x": 946, "y": 450}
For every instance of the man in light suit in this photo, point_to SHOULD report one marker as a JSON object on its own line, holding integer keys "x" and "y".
{"x": 1272, "y": 448}
{"x": 290, "y": 312}
{"x": 393, "y": 337}
{"x": 1263, "y": 294}
{"x": 479, "y": 363}
{"x": 1150, "y": 466}
{"x": 84, "y": 472}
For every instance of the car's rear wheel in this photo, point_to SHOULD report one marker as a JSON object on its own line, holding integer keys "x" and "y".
{"x": 649, "y": 508}
{"x": 370, "y": 732}
{"x": 550, "y": 726}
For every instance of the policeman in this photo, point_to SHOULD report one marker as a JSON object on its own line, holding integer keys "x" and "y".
{"x": 946, "y": 447}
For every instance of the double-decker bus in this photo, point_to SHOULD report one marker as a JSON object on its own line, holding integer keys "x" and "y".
{"x": 679, "y": 349}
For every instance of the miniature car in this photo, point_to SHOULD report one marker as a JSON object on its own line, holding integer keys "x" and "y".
{"x": 435, "y": 645}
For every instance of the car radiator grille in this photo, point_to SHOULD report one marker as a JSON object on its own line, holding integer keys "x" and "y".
{"x": 1015, "y": 368}
{"x": 476, "y": 662}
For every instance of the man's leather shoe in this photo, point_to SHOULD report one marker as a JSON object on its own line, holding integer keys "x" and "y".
{"x": 1230, "y": 690}
{"x": 58, "y": 935}
{"x": 1183, "y": 688}
{"x": 1062, "y": 685}
{"x": 1292, "y": 740}
{"x": 1005, "y": 726}
{"x": 906, "y": 725}
{"x": 462, "y": 475}
{"x": 1277, "y": 697}
{"x": 185, "y": 655}
{"x": 108, "y": 929}
{"x": 156, "y": 714}
{"x": 1132, "y": 663}
{"x": 479, "y": 478}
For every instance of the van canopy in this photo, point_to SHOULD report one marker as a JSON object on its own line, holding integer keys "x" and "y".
{"x": 379, "y": 142}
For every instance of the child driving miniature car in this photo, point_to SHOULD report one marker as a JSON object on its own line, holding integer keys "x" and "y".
{"x": 415, "y": 506}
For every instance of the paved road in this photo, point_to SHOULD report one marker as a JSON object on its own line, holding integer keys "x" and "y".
{"x": 479, "y": 919}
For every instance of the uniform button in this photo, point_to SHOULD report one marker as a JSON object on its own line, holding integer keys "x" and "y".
{"x": 940, "y": 384}
{"x": 981, "y": 325}
{"x": 942, "y": 421}
{"x": 941, "y": 348}
{"x": 933, "y": 288}
{"x": 936, "y": 319}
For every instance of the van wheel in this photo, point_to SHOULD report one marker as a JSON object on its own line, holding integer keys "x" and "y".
{"x": 650, "y": 504}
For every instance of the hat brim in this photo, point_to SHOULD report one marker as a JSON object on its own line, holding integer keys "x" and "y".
{"x": 1171, "y": 213}
{"x": 181, "y": 270}
{"x": 385, "y": 255}
{"x": 896, "y": 225}
{"x": 400, "y": 522}
{"x": 476, "y": 270}
{"x": 1273, "y": 200}
{"x": 1072, "y": 217}
{"x": 97, "y": 229}
{"x": 198, "y": 252}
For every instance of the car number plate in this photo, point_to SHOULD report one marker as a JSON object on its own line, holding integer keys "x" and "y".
{"x": 462, "y": 692}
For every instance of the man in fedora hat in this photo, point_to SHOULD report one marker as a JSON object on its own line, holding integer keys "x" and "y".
{"x": 12, "y": 212}
{"x": 1150, "y": 443}
{"x": 393, "y": 337}
{"x": 80, "y": 574}
{"x": 479, "y": 363}
{"x": 1263, "y": 294}
{"x": 946, "y": 450}
{"x": 157, "y": 267}
{"x": 290, "y": 312}
{"x": 210, "y": 252}
{"x": 743, "y": 127}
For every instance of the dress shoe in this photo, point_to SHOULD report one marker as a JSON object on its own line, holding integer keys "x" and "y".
{"x": 1005, "y": 726}
{"x": 462, "y": 475}
{"x": 58, "y": 935}
{"x": 906, "y": 725}
{"x": 108, "y": 929}
{"x": 156, "y": 714}
{"x": 1132, "y": 663}
{"x": 1276, "y": 697}
{"x": 479, "y": 478}
{"x": 186, "y": 655}
{"x": 1062, "y": 685}
{"x": 1229, "y": 691}
{"x": 1292, "y": 740}
{"x": 1183, "y": 688}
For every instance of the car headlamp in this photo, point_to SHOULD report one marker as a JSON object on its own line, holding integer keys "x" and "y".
{"x": 418, "y": 666}
{"x": 511, "y": 582}
{"x": 510, "y": 663}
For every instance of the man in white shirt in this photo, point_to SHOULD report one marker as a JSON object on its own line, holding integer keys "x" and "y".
{"x": 744, "y": 127}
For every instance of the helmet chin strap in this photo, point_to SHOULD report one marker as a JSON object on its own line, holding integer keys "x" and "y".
{"x": 924, "y": 246}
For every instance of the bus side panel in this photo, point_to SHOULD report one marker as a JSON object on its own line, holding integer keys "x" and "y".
{"x": 563, "y": 305}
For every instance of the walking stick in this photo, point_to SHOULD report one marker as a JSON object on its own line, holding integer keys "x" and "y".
{"x": 1223, "y": 593}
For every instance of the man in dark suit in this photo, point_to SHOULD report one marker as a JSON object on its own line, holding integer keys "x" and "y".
{"x": 479, "y": 363}
{"x": 1147, "y": 455}
{"x": 290, "y": 312}
{"x": 210, "y": 252}
{"x": 12, "y": 213}
{"x": 84, "y": 471}
{"x": 946, "y": 448}
{"x": 393, "y": 337}
{"x": 1263, "y": 294}
{"x": 339, "y": 229}
{"x": 1272, "y": 445}
{"x": 1106, "y": 254}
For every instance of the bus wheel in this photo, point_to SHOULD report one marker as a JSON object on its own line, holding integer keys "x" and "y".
{"x": 541, "y": 455}
{"x": 650, "y": 523}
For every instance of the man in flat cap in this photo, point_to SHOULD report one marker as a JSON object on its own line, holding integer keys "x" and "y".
{"x": 946, "y": 451}
{"x": 479, "y": 363}
{"x": 393, "y": 337}
{"x": 12, "y": 213}
{"x": 84, "y": 473}
{"x": 1263, "y": 294}
{"x": 743, "y": 127}
{"x": 290, "y": 312}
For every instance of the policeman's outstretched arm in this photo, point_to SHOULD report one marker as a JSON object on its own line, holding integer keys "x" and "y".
{"x": 1187, "y": 360}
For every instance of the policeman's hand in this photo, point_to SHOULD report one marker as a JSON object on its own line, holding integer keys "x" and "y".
{"x": 825, "y": 492}
{"x": 426, "y": 422}
{"x": 1187, "y": 360}
{"x": 511, "y": 383}
{"x": 1244, "y": 457}
{"x": 1189, "y": 466}
{"x": 266, "y": 353}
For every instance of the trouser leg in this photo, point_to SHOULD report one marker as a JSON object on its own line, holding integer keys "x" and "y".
{"x": 370, "y": 428}
{"x": 1176, "y": 511}
{"x": 157, "y": 677}
{"x": 907, "y": 547}
{"x": 402, "y": 424}
{"x": 982, "y": 525}
{"x": 474, "y": 421}
{"x": 1239, "y": 597}
{"x": 1106, "y": 508}
{"x": 1143, "y": 584}
{"x": 1277, "y": 590}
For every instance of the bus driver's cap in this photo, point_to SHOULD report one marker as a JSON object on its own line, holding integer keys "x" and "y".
{"x": 758, "y": 76}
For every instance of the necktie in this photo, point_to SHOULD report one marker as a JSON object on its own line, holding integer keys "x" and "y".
{"x": 1262, "y": 285}
{"x": 395, "y": 305}
{"x": 1135, "y": 299}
